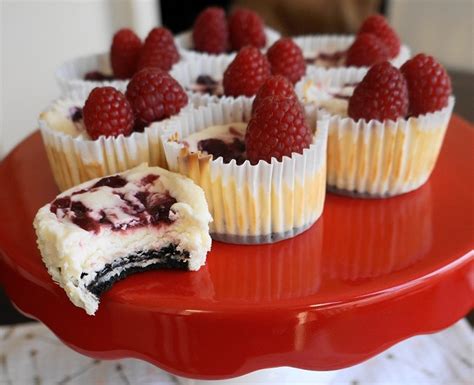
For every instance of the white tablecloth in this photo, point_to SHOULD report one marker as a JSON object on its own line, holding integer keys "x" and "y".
{"x": 31, "y": 354}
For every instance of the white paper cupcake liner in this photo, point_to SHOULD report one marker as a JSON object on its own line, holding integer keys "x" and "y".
{"x": 70, "y": 75}
{"x": 312, "y": 45}
{"x": 186, "y": 73}
{"x": 76, "y": 159}
{"x": 380, "y": 159}
{"x": 260, "y": 203}
{"x": 184, "y": 42}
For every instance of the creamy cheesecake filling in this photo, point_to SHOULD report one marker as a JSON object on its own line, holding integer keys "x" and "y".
{"x": 328, "y": 60}
{"x": 66, "y": 116}
{"x": 116, "y": 203}
{"x": 333, "y": 99}
{"x": 223, "y": 141}
{"x": 206, "y": 84}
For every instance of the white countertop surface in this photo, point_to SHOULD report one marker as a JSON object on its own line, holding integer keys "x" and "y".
{"x": 31, "y": 354}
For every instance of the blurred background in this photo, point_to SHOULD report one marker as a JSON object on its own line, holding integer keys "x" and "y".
{"x": 37, "y": 36}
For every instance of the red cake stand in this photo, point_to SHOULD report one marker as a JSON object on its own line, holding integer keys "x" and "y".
{"x": 369, "y": 274}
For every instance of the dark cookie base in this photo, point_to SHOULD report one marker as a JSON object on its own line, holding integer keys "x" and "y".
{"x": 167, "y": 258}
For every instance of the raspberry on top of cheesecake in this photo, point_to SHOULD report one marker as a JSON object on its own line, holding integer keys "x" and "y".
{"x": 103, "y": 230}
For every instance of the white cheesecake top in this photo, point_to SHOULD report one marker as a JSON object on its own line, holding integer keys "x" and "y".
{"x": 206, "y": 84}
{"x": 226, "y": 141}
{"x": 65, "y": 115}
{"x": 139, "y": 197}
{"x": 327, "y": 60}
{"x": 333, "y": 99}
{"x": 226, "y": 132}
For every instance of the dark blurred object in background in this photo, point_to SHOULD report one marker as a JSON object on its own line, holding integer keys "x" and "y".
{"x": 290, "y": 17}
{"x": 179, "y": 15}
{"x": 301, "y": 17}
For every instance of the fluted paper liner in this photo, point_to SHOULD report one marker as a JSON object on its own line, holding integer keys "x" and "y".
{"x": 312, "y": 45}
{"x": 74, "y": 160}
{"x": 260, "y": 203}
{"x": 70, "y": 75}
{"x": 184, "y": 42}
{"x": 380, "y": 159}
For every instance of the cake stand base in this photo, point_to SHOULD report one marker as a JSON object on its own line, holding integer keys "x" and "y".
{"x": 276, "y": 376}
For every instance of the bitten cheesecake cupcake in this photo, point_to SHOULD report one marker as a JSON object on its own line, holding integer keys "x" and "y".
{"x": 386, "y": 132}
{"x": 106, "y": 229}
{"x": 108, "y": 131}
{"x": 375, "y": 42}
{"x": 215, "y": 34}
{"x": 127, "y": 56}
{"x": 263, "y": 173}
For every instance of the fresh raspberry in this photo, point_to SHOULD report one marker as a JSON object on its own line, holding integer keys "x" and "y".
{"x": 366, "y": 51}
{"x": 429, "y": 85}
{"x": 124, "y": 53}
{"x": 287, "y": 59}
{"x": 378, "y": 26}
{"x": 382, "y": 94}
{"x": 159, "y": 50}
{"x": 246, "y": 73}
{"x": 107, "y": 112}
{"x": 210, "y": 31}
{"x": 246, "y": 28}
{"x": 277, "y": 129}
{"x": 276, "y": 85}
{"x": 154, "y": 95}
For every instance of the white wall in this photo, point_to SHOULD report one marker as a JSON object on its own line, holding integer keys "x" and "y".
{"x": 442, "y": 28}
{"x": 37, "y": 36}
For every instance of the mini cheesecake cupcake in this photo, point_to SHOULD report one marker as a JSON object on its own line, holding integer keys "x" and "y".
{"x": 115, "y": 68}
{"x": 255, "y": 192}
{"x": 88, "y": 136}
{"x": 375, "y": 42}
{"x": 386, "y": 128}
{"x": 215, "y": 34}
